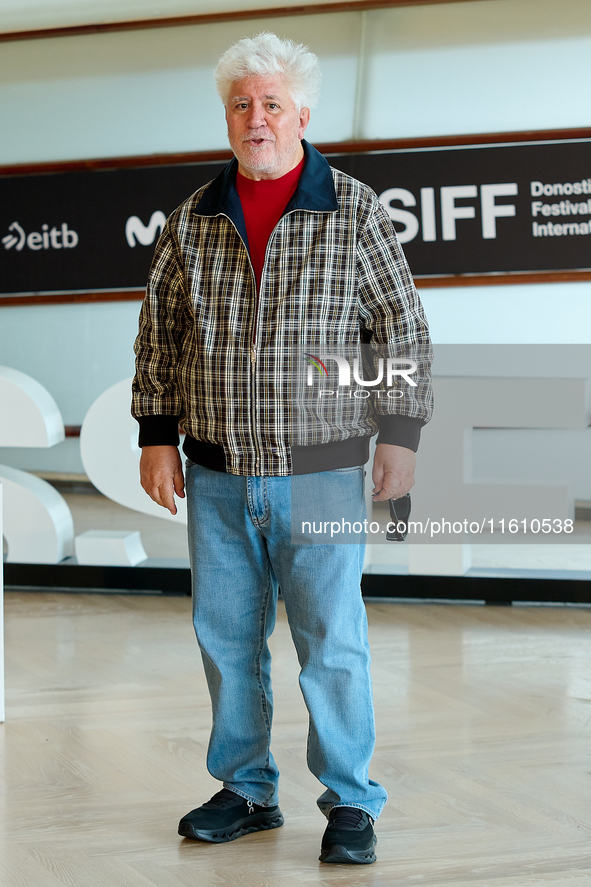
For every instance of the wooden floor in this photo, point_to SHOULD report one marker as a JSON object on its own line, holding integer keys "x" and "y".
{"x": 484, "y": 744}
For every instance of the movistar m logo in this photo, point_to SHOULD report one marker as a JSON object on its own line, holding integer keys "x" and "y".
{"x": 137, "y": 232}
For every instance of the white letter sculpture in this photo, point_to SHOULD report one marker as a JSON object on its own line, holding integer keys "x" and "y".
{"x": 110, "y": 454}
{"x": 38, "y": 525}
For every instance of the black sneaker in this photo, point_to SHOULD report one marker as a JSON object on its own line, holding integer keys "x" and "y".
{"x": 349, "y": 837}
{"x": 228, "y": 816}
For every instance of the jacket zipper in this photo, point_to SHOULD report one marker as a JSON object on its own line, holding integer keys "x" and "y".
{"x": 253, "y": 354}
{"x": 253, "y": 336}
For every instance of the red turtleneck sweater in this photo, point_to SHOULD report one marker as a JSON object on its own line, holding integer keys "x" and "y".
{"x": 263, "y": 204}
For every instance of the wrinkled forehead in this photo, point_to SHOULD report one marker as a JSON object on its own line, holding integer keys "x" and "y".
{"x": 259, "y": 88}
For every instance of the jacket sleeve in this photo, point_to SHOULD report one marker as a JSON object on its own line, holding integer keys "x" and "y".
{"x": 393, "y": 318}
{"x": 156, "y": 400}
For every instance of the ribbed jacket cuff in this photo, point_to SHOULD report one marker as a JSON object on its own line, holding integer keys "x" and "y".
{"x": 158, "y": 431}
{"x": 402, "y": 431}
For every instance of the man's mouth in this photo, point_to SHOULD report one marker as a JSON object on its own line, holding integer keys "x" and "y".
{"x": 257, "y": 141}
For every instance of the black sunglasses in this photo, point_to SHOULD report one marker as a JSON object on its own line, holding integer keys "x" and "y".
{"x": 399, "y": 515}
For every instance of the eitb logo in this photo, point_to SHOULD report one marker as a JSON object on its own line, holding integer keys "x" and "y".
{"x": 57, "y": 237}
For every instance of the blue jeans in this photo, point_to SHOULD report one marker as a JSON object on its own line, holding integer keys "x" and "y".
{"x": 241, "y": 550}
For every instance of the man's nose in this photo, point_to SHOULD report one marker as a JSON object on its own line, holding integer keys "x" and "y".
{"x": 256, "y": 117}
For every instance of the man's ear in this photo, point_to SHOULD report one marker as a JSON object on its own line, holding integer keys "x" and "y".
{"x": 304, "y": 120}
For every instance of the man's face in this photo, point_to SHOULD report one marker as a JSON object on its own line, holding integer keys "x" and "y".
{"x": 264, "y": 127}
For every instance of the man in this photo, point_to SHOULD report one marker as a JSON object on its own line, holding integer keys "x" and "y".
{"x": 279, "y": 255}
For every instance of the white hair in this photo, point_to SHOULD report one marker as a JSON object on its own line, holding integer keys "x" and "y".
{"x": 266, "y": 54}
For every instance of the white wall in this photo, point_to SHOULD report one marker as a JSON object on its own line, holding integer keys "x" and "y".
{"x": 494, "y": 65}
{"x": 24, "y": 15}
{"x": 533, "y": 314}
{"x": 77, "y": 352}
{"x": 151, "y": 91}
{"x": 485, "y": 66}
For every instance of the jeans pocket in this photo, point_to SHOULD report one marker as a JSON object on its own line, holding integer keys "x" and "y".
{"x": 344, "y": 470}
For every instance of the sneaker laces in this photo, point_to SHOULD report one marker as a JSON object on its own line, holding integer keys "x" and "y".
{"x": 223, "y": 798}
{"x": 346, "y": 817}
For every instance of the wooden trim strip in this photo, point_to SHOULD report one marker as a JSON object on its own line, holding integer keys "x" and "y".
{"x": 350, "y": 147}
{"x": 451, "y": 141}
{"x": 61, "y": 166}
{"x": 214, "y": 17}
{"x": 67, "y": 298}
{"x": 501, "y": 279}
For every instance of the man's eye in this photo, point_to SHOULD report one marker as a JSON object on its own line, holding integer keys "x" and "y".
{"x": 272, "y": 106}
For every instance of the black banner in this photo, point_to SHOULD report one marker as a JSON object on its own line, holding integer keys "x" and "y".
{"x": 522, "y": 207}
{"x": 91, "y": 230}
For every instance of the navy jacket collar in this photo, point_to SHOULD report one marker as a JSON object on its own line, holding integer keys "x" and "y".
{"x": 315, "y": 190}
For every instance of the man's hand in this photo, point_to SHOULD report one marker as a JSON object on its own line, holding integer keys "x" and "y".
{"x": 393, "y": 472}
{"x": 161, "y": 475}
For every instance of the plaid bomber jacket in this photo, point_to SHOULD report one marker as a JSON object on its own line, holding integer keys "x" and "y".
{"x": 229, "y": 365}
